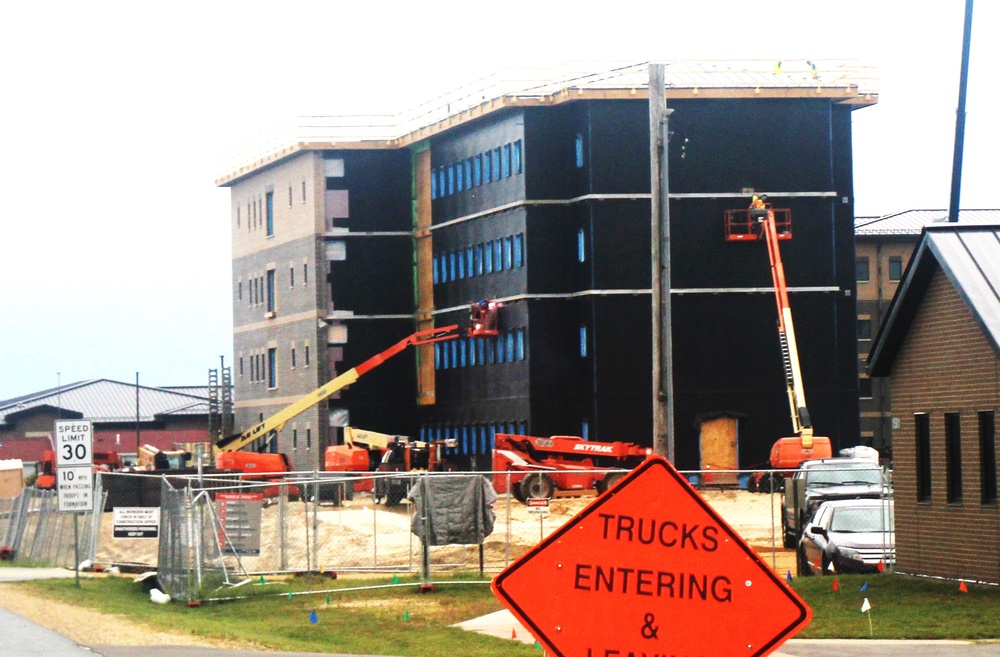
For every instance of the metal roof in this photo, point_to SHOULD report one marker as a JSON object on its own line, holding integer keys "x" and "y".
{"x": 104, "y": 400}
{"x": 912, "y": 222}
{"x": 842, "y": 81}
{"x": 969, "y": 255}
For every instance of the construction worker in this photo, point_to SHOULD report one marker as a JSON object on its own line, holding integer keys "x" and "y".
{"x": 757, "y": 202}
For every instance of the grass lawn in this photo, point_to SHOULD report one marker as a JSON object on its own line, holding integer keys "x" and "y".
{"x": 402, "y": 621}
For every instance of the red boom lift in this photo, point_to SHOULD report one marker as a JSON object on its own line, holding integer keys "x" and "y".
{"x": 788, "y": 452}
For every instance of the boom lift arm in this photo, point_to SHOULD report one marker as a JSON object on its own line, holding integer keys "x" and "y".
{"x": 801, "y": 422}
{"x": 277, "y": 421}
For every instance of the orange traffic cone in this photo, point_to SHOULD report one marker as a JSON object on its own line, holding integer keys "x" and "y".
{"x": 836, "y": 584}
{"x": 962, "y": 587}
{"x": 513, "y": 632}
{"x": 881, "y": 566}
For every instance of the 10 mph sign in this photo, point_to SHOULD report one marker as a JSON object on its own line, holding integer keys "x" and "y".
{"x": 74, "y": 445}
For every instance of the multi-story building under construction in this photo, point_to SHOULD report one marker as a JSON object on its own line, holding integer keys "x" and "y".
{"x": 348, "y": 236}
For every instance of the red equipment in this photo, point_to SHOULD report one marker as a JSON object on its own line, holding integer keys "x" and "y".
{"x": 483, "y": 319}
{"x": 540, "y": 467}
{"x": 789, "y": 452}
{"x": 46, "y": 479}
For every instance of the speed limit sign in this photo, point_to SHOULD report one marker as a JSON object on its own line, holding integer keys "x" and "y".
{"x": 74, "y": 445}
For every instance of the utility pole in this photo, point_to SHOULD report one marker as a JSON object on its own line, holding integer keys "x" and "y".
{"x": 956, "y": 165}
{"x": 663, "y": 387}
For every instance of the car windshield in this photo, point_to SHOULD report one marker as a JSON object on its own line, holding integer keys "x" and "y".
{"x": 839, "y": 476}
{"x": 862, "y": 519}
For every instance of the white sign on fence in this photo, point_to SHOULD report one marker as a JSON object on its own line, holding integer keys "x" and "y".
{"x": 136, "y": 522}
{"x": 74, "y": 445}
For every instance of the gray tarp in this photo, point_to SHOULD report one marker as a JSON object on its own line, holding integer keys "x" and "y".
{"x": 453, "y": 510}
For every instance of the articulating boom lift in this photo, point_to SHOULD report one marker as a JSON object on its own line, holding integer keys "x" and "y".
{"x": 787, "y": 452}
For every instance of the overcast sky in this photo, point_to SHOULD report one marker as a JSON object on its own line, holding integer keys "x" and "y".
{"x": 115, "y": 255}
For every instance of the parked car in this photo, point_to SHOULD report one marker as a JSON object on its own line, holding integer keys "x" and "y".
{"x": 820, "y": 480}
{"x": 853, "y": 535}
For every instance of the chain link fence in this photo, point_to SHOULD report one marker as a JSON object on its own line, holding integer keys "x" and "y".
{"x": 218, "y": 531}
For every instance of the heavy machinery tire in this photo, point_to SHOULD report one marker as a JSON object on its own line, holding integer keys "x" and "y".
{"x": 609, "y": 480}
{"x": 395, "y": 492}
{"x": 515, "y": 490}
{"x": 772, "y": 482}
{"x": 537, "y": 485}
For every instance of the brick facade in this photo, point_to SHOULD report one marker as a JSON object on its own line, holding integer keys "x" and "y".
{"x": 945, "y": 365}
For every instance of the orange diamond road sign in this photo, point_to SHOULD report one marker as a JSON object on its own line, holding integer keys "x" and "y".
{"x": 649, "y": 569}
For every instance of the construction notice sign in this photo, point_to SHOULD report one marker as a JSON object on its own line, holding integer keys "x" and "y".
{"x": 136, "y": 522}
{"x": 239, "y": 522}
{"x": 650, "y": 569}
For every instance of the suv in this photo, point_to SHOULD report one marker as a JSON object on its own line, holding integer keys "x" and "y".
{"x": 826, "y": 479}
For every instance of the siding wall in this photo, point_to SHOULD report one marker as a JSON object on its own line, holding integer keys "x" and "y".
{"x": 937, "y": 538}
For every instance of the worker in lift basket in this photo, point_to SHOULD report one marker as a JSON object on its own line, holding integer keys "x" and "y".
{"x": 758, "y": 202}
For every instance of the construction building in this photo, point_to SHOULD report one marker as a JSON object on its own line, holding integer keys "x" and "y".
{"x": 348, "y": 236}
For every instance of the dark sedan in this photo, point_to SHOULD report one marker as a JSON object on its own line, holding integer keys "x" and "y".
{"x": 849, "y": 536}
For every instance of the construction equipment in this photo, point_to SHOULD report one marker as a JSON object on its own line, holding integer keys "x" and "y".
{"x": 559, "y": 465}
{"x": 483, "y": 318}
{"x": 370, "y": 451}
{"x": 46, "y": 479}
{"x": 271, "y": 466}
{"x": 788, "y": 452}
{"x": 273, "y": 424}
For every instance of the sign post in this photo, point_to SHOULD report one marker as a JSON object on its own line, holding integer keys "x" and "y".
{"x": 74, "y": 444}
{"x": 653, "y": 556}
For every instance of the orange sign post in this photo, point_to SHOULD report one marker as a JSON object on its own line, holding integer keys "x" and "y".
{"x": 649, "y": 569}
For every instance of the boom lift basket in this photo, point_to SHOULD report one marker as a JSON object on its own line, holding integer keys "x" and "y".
{"x": 483, "y": 319}
{"x": 745, "y": 224}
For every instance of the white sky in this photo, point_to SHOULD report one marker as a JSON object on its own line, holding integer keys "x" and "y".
{"x": 115, "y": 258}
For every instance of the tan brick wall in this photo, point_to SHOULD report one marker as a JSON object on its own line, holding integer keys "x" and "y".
{"x": 945, "y": 365}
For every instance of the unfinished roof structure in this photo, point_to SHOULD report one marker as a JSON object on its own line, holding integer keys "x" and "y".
{"x": 842, "y": 81}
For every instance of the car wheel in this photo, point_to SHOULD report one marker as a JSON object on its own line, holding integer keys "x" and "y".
{"x": 804, "y": 569}
{"x": 788, "y": 538}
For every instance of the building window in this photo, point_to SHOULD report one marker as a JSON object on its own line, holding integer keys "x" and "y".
{"x": 477, "y": 258}
{"x": 307, "y": 355}
{"x": 487, "y": 175}
{"x": 865, "y": 388}
{"x": 861, "y": 272}
{"x": 497, "y": 255}
{"x": 237, "y": 216}
{"x": 434, "y": 186}
{"x": 270, "y": 290}
{"x": 459, "y": 178}
{"x": 240, "y": 291}
{"x": 518, "y": 250}
{"x": 488, "y": 258}
{"x": 293, "y": 358}
{"x": 462, "y": 353}
{"x": 477, "y": 170}
{"x": 953, "y": 456}
{"x": 581, "y": 252}
{"x": 518, "y": 165}
{"x": 289, "y": 196}
{"x": 508, "y": 253}
{"x": 579, "y": 151}
{"x": 468, "y": 173}
{"x": 505, "y": 163}
{"x": 583, "y": 341}
{"x": 585, "y": 430}
{"x": 295, "y": 438}
{"x": 309, "y": 438}
{"x": 291, "y": 277}
{"x": 461, "y": 264}
{"x": 305, "y": 274}
{"x": 303, "y": 191}
{"x": 988, "y": 458}
{"x": 496, "y": 164}
{"x": 272, "y": 369}
{"x": 520, "y": 344}
{"x": 864, "y": 329}
{"x": 269, "y": 206}
{"x": 451, "y": 179}
{"x": 922, "y": 422}
{"x": 241, "y": 365}
{"x": 895, "y": 268}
